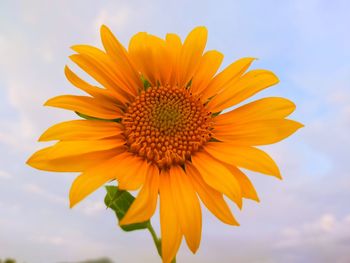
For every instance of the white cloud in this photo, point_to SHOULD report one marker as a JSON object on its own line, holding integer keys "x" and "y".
{"x": 37, "y": 190}
{"x": 52, "y": 240}
{"x": 118, "y": 19}
{"x": 328, "y": 237}
{"x": 91, "y": 208}
{"x": 5, "y": 175}
{"x": 87, "y": 207}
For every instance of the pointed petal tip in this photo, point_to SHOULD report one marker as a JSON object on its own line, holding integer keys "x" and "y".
{"x": 72, "y": 202}
{"x": 105, "y": 31}
{"x": 51, "y": 102}
{"x": 76, "y": 48}
{"x": 193, "y": 247}
{"x": 30, "y": 161}
{"x": 301, "y": 125}
{"x": 239, "y": 203}
{"x": 232, "y": 222}
{"x": 194, "y": 250}
{"x": 43, "y": 138}
{"x": 297, "y": 126}
{"x": 277, "y": 173}
{"x": 249, "y": 60}
{"x": 103, "y": 27}
{"x": 277, "y": 80}
{"x": 202, "y": 28}
{"x": 48, "y": 102}
{"x": 33, "y": 161}
{"x": 199, "y": 31}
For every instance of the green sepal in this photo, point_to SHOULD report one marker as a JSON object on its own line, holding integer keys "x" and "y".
{"x": 216, "y": 114}
{"x": 214, "y": 140}
{"x": 189, "y": 84}
{"x": 87, "y": 117}
{"x": 120, "y": 201}
{"x": 146, "y": 83}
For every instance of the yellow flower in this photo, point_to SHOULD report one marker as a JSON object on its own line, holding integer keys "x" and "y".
{"x": 168, "y": 137}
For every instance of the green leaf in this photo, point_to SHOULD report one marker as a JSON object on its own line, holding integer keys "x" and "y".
{"x": 87, "y": 117}
{"x": 120, "y": 201}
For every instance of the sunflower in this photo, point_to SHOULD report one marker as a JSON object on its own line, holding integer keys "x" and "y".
{"x": 155, "y": 124}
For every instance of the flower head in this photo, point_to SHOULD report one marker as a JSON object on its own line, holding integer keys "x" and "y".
{"x": 155, "y": 124}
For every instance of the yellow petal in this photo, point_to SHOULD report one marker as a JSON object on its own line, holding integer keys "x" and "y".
{"x": 112, "y": 71}
{"x": 102, "y": 74}
{"x": 243, "y": 156}
{"x": 216, "y": 175}
{"x": 249, "y": 84}
{"x": 227, "y": 77}
{"x": 121, "y": 58}
{"x": 211, "y": 198}
{"x": 171, "y": 235}
{"x": 208, "y": 66}
{"x": 42, "y": 160}
{"x": 92, "y": 179}
{"x": 248, "y": 190}
{"x": 191, "y": 54}
{"x": 187, "y": 207}
{"x": 173, "y": 43}
{"x": 101, "y": 94}
{"x": 73, "y": 148}
{"x": 162, "y": 57}
{"x": 145, "y": 203}
{"x": 152, "y": 58}
{"x": 86, "y": 105}
{"x": 257, "y": 132}
{"x": 140, "y": 55}
{"x": 133, "y": 170}
{"x": 263, "y": 109}
{"x": 81, "y": 130}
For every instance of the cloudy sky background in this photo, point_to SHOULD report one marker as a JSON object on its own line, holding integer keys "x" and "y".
{"x": 304, "y": 218}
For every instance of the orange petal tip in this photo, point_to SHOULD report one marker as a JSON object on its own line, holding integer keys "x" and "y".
{"x": 48, "y": 102}
{"x": 72, "y": 203}
{"x": 29, "y": 161}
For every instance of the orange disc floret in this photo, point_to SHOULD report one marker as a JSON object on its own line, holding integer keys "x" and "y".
{"x": 166, "y": 125}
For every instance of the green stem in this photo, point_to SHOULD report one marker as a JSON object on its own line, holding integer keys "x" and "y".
{"x": 157, "y": 240}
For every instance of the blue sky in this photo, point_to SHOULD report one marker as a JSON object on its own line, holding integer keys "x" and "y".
{"x": 304, "y": 218}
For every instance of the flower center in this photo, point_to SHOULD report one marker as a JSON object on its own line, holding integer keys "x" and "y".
{"x": 166, "y": 125}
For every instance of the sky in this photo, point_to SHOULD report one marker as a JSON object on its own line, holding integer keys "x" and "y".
{"x": 304, "y": 218}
